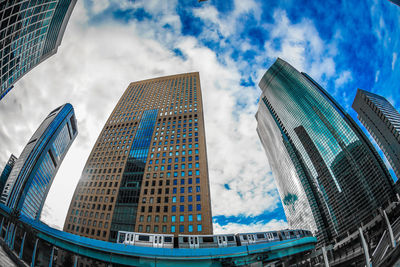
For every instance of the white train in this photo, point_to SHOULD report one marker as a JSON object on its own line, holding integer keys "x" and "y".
{"x": 146, "y": 240}
{"x": 208, "y": 241}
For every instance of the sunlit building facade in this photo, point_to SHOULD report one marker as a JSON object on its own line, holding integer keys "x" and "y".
{"x": 147, "y": 171}
{"x": 30, "y": 32}
{"x": 328, "y": 174}
{"x": 33, "y": 173}
{"x": 382, "y": 121}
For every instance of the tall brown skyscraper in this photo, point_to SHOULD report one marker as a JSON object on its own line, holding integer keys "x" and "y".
{"x": 148, "y": 170}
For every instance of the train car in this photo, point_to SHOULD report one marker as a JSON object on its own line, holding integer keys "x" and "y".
{"x": 146, "y": 240}
{"x": 206, "y": 241}
{"x": 294, "y": 233}
{"x": 260, "y": 237}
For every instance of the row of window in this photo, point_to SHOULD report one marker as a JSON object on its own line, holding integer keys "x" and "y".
{"x": 189, "y": 189}
{"x": 88, "y": 231}
{"x": 189, "y": 208}
{"x": 173, "y": 228}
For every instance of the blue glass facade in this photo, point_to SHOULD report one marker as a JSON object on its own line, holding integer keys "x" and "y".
{"x": 321, "y": 160}
{"x": 30, "y": 32}
{"x": 34, "y": 171}
{"x": 125, "y": 210}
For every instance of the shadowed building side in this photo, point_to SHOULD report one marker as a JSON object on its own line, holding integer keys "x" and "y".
{"x": 6, "y": 171}
{"x": 382, "y": 121}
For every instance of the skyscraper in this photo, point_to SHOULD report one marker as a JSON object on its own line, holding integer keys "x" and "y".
{"x": 30, "y": 32}
{"x": 382, "y": 121}
{"x": 147, "y": 171}
{"x": 33, "y": 173}
{"x": 328, "y": 174}
{"x": 6, "y": 171}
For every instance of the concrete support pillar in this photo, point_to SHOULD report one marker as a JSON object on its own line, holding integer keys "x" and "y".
{"x": 51, "y": 257}
{"x": 390, "y": 230}
{"x": 365, "y": 248}
{"x": 34, "y": 253}
{"x": 21, "y": 251}
{"x": 325, "y": 255}
{"x": 75, "y": 260}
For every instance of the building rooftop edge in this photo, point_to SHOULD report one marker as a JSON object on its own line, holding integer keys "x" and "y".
{"x": 166, "y": 76}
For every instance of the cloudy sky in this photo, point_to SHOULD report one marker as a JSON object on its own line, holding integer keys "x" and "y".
{"x": 344, "y": 45}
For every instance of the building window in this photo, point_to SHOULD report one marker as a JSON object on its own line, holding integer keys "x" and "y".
{"x": 172, "y": 228}
{"x": 199, "y": 228}
{"x": 190, "y": 228}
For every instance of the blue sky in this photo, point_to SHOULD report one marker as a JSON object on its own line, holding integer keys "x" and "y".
{"x": 344, "y": 45}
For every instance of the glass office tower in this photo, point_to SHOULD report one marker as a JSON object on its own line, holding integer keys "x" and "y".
{"x": 382, "y": 121}
{"x": 30, "y": 32}
{"x": 33, "y": 173}
{"x": 147, "y": 171}
{"x": 6, "y": 171}
{"x": 329, "y": 176}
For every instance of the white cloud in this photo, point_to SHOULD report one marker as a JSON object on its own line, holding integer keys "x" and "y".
{"x": 394, "y": 59}
{"x": 301, "y": 45}
{"x": 99, "y": 6}
{"x": 249, "y": 228}
{"x": 343, "y": 78}
{"x": 377, "y": 75}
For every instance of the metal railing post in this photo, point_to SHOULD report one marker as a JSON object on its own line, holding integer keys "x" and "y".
{"x": 393, "y": 241}
{"x": 326, "y": 261}
{"x": 365, "y": 247}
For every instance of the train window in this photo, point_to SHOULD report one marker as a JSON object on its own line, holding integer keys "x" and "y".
{"x": 275, "y": 234}
{"x": 144, "y": 238}
{"x": 291, "y": 233}
{"x": 244, "y": 237}
{"x": 168, "y": 239}
{"x": 230, "y": 238}
{"x": 208, "y": 239}
{"x": 185, "y": 239}
{"x": 260, "y": 236}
